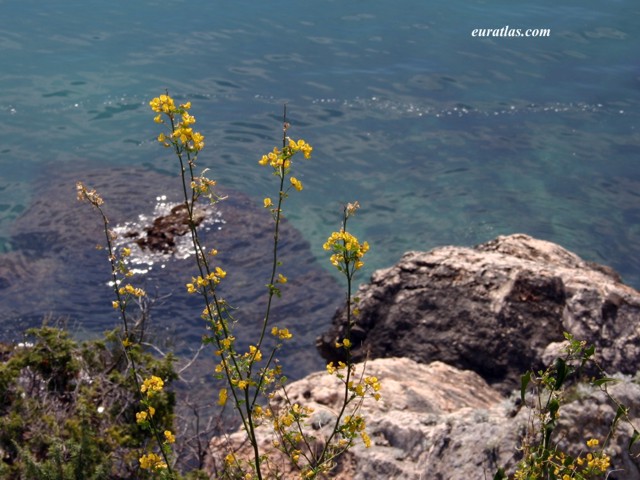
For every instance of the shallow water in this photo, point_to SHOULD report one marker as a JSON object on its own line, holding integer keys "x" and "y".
{"x": 443, "y": 138}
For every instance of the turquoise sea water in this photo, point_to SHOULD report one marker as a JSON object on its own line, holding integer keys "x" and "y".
{"x": 442, "y": 137}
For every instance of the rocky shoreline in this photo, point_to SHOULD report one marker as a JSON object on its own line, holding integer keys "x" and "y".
{"x": 449, "y": 333}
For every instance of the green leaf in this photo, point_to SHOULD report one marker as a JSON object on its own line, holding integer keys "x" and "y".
{"x": 524, "y": 382}
{"x": 554, "y": 406}
{"x": 562, "y": 371}
{"x": 500, "y": 475}
{"x": 633, "y": 439}
{"x": 622, "y": 410}
{"x": 601, "y": 381}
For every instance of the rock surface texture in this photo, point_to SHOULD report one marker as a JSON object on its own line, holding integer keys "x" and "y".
{"x": 438, "y": 422}
{"x": 449, "y": 333}
{"x": 497, "y": 309}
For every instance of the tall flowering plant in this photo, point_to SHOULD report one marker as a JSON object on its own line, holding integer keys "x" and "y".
{"x": 253, "y": 376}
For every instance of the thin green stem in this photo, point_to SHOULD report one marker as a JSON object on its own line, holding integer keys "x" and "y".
{"x": 122, "y": 307}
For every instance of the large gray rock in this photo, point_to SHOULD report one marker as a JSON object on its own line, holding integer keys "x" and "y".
{"x": 414, "y": 396}
{"x": 438, "y": 422}
{"x": 497, "y": 309}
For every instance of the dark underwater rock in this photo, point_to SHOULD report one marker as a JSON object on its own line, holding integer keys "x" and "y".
{"x": 55, "y": 268}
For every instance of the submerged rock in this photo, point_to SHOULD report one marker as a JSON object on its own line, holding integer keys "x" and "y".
{"x": 55, "y": 269}
{"x": 498, "y": 309}
{"x": 161, "y": 235}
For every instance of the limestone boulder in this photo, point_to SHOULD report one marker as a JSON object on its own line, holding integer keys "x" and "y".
{"x": 497, "y": 309}
{"x": 438, "y": 422}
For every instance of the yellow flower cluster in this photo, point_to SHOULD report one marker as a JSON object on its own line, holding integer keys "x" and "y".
{"x": 254, "y": 353}
{"x": 152, "y": 461}
{"x": 370, "y": 384}
{"x": 241, "y": 384}
{"x": 280, "y": 161}
{"x": 302, "y": 146}
{"x": 374, "y": 384}
{"x": 297, "y": 184}
{"x": 599, "y": 463}
{"x": 276, "y": 159}
{"x": 227, "y": 342}
{"x": 592, "y": 465}
{"x": 182, "y": 136}
{"x": 346, "y": 250}
{"x": 222, "y": 397}
{"x": 163, "y": 104}
{"x": 169, "y": 437}
{"x": 332, "y": 369}
{"x": 593, "y": 442}
{"x": 211, "y": 278}
{"x": 356, "y": 425}
{"x": 295, "y": 413}
{"x": 152, "y": 385}
{"x": 203, "y": 186}
{"x": 281, "y": 333}
{"x": 130, "y": 290}
{"x": 192, "y": 141}
{"x": 143, "y": 416}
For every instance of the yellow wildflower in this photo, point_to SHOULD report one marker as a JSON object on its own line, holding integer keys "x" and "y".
{"x": 131, "y": 290}
{"x": 152, "y": 385}
{"x": 169, "y": 437}
{"x": 220, "y": 272}
{"x": 151, "y": 461}
{"x": 243, "y": 384}
{"x": 255, "y": 353}
{"x": 296, "y": 183}
{"x": 163, "y": 104}
{"x": 366, "y": 439}
{"x": 267, "y": 202}
{"x": 222, "y": 396}
{"x": 188, "y": 119}
{"x": 282, "y": 333}
{"x": 346, "y": 249}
